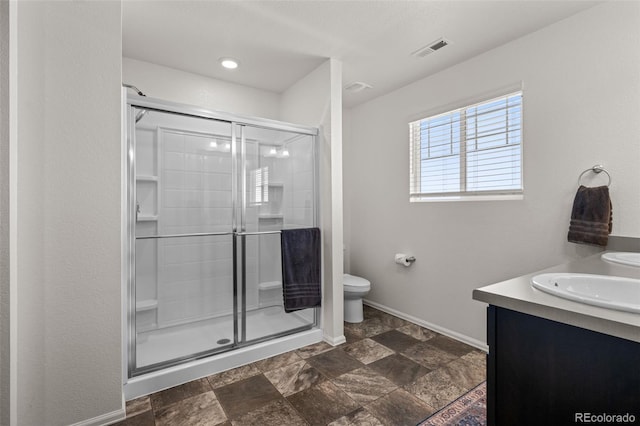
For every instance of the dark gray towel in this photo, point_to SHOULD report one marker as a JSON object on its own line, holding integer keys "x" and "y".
{"x": 300, "y": 268}
{"x": 591, "y": 216}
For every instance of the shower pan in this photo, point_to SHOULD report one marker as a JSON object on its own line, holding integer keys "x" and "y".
{"x": 207, "y": 194}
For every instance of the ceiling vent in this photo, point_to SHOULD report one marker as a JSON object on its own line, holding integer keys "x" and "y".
{"x": 357, "y": 86}
{"x": 431, "y": 47}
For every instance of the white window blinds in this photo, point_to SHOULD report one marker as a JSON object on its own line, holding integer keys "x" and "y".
{"x": 474, "y": 150}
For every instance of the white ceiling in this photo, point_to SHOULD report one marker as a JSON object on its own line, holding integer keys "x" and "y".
{"x": 279, "y": 42}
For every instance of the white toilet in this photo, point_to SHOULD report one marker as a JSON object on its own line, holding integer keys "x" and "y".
{"x": 355, "y": 288}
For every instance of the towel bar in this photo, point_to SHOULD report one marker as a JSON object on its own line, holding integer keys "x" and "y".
{"x": 596, "y": 169}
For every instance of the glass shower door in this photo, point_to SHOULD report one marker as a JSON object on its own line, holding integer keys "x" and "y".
{"x": 277, "y": 191}
{"x": 184, "y": 221}
{"x": 208, "y": 197}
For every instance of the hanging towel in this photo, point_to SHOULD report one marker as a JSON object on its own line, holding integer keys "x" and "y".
{"x": 591, "y": 216}
{"x": 300, "y": 268}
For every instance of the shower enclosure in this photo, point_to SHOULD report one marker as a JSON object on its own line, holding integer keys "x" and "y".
{"x": 208, "y": 194}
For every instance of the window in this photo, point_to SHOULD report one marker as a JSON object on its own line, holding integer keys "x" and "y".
{"x": 468, "y": 152}
{"x": 259, "y": 186}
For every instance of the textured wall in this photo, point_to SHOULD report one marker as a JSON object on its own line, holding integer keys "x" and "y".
{"x": 68, "y": 212}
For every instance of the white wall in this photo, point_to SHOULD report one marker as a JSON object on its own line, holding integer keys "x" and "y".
{"x": 581, "y": 81}
{"x": 66, "y": 252}
{"x": 161, "y": 82}
{"x": 316, "y": 101}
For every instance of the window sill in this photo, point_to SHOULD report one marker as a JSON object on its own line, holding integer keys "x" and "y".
{"x": 453, "y": 198}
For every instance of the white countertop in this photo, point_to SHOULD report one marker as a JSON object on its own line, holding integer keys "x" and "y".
{"x": 517, "y": 294}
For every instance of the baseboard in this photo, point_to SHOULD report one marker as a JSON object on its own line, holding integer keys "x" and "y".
{"x": 453, "y": 334}
{"x": 334, "y": 341}
{"x": 104, "y": 419}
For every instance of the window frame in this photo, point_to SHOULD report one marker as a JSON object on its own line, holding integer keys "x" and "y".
{"x": 415, "y": 178}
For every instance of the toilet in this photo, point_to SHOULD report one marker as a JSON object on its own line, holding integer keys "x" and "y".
{"x": 355, "y": 288}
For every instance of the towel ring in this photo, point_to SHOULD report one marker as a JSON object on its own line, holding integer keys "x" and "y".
{"x": 596, "y": 169}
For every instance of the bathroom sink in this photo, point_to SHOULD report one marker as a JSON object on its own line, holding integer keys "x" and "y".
{"x": 626, "y": 258}
{"x": 617, "y": 293}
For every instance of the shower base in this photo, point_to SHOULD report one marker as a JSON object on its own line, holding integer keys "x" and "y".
{"x": 175, "y": 342}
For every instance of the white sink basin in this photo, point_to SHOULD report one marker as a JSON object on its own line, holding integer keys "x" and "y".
{"x": 618, "y": 293}
{"x": 626, "y": 258}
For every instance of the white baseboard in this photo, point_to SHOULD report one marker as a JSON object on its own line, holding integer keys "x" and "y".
{"x": 104, "y": 419}
{"x": 335, "y": 341}
{"x": 453, "y": 334}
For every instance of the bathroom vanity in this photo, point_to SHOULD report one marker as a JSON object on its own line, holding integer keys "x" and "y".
{"x": 557, "y": 361}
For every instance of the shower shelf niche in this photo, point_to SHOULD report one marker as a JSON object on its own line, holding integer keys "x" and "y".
{"x": 272, "y": 209}
{"x": 148, "y": 197}
{"x": 146, "y": 305}
{"x": 267, "y": 216}
{"x": 147, "y": 315}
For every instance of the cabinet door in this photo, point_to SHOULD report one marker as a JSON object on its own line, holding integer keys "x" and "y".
{"x": 544, "y": 372}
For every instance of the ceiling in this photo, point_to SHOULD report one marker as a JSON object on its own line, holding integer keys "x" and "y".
{"x": 279, "y": 42}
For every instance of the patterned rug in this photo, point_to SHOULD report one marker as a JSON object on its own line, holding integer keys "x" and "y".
{"x": 468, "y": 410}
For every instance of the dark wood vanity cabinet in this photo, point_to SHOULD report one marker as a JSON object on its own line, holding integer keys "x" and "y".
{"x": 542, "y": 372}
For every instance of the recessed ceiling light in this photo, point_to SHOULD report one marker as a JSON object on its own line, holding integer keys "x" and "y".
{"x": 229, "y": 63}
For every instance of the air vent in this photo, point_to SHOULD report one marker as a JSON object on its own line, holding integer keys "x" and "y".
{"x": 431, "y": 47}
{"x": 357, "y": 86}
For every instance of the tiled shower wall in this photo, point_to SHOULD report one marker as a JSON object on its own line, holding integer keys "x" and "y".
{"x": 195, "y": 273}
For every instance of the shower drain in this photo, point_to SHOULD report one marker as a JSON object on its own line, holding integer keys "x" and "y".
{"x": 223, "y": 341}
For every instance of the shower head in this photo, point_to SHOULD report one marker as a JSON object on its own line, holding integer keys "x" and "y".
{"x": 131, "y": 86}
{"x": 142, "y": 112}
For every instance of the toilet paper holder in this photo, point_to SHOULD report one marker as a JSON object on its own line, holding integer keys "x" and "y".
{"x": 403, "y": 259}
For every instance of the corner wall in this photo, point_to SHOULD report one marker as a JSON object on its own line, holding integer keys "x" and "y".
{"x": 65, "y": 254}
{"x": 581, "y": 81}
{"x": 316, "y": 101}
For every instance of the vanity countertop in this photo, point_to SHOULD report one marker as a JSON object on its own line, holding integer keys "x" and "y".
{"x": 517, "y": 294}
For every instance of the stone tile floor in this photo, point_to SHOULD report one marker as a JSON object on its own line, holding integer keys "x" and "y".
{"x": 389, "y": 372}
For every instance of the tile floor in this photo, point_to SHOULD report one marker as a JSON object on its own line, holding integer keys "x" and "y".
{"x": 390, "y": 372}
